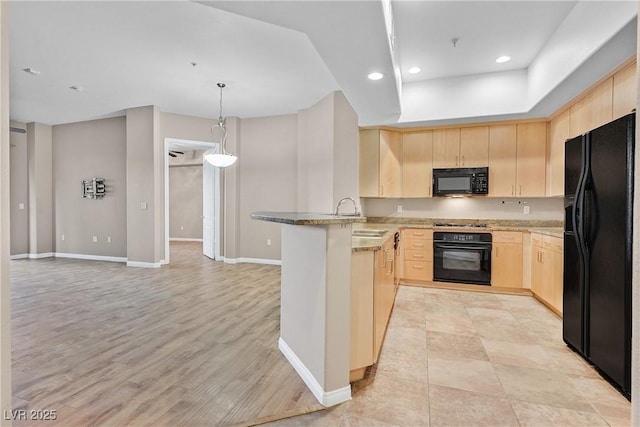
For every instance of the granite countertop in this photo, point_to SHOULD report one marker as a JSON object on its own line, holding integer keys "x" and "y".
{"x": 393, "y": 224}
{"x": 306, "y": 218}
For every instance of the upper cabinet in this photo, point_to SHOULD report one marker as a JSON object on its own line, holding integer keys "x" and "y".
{"x": 417, "y": 163}
{"x": 474, "y": 147}
{"x": 531, "y": 155}
{"x": 380, "y": 163}
{"x": 517, "y": 159}
{"x": 593, "y": 110}
{"x": 461, "y": 148}
{"x": 625, "y": 94}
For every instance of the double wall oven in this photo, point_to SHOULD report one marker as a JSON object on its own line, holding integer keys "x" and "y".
{"x": 462, "y": 257}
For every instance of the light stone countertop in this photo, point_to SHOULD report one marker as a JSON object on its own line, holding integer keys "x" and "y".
{"x": 306, "y": 218}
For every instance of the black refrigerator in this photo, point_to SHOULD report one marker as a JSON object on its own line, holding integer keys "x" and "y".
{"x": 597, "y": 248}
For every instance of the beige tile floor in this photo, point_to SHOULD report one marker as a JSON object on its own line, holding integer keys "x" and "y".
{"x": 457, "y": 358}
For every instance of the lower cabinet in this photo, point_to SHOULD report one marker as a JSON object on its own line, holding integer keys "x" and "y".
{"x": 547, "y": 265}
{"x": 373, "y": 293}
{"x": 417, "y": 246}
{"x": 506, "y": 259}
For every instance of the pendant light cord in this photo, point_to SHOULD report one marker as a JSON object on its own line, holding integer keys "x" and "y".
{"x": 221, "y": 86}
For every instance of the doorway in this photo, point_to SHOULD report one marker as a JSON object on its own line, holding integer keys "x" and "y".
{"x": 210, "y": 196}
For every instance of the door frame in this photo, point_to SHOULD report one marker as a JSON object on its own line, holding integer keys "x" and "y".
{"x": 171, "y": 143}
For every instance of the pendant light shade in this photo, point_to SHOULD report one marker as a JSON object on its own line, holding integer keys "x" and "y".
{"x": 219, "y": 131}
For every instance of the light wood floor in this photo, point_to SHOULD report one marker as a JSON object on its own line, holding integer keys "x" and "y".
{"x": 191, "y": 344}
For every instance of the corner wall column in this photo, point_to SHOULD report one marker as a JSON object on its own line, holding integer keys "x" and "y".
{"x": 145, "y": 187}
{"x": 40, "y": 170}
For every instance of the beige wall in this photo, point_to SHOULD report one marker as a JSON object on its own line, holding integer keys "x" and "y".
{"x": 40, "y": 165}
{"x": 5, "y": 289}
{"x": 81, "y": 151}
{"x": 267, "y": 169}
{"x": 345, "y": 151}
{"x": 185, "y": 201}
{"x": 19, "y": 191}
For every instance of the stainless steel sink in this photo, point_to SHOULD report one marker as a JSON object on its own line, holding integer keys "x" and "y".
{"x": 368, "y": 232}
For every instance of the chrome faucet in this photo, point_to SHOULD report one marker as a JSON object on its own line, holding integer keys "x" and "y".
{"x": 355, "y": 206}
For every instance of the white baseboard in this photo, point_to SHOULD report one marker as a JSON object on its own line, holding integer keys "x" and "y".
{"x": 41, "y": 255}
{"x": 143, "y": 264}
{"x": 19, "y": 256}
{"x": 330, "y": 398}
{"x": 251, "y": 260}
{"x": 91, "y": 257}
{"x": 184, "y": 239}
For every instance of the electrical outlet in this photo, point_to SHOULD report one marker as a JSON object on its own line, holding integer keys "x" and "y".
{"x": 399, "y": 208}
{"x": 21, "y": 206}
{"x": 526, "y": 210}
{"x": 143, "y": 206}
{"x": 182, "y": 228}
{"x": 109, "y": 239}
{"x": 63, "y": 237}
{"x": 95, "y": 239}
{"x": 268, "y": 242}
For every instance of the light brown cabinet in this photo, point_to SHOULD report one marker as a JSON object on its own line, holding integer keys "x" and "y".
{"x": 380, "y": 166}
{"x": 593, "y": 110}
{"x": 506, "y": 259}
{"x": 466, "y": 147}
{"x": 418, "y": 254}
{"x": 558, "y": 133}
{"x": 547, "y": 270}
{"x": 383, "y": 293}
{"x": 502, "y": 160}
{"x": 517, "y": 159}
{"x": 625, "y": 95}
{"x": 531, "y": 159}
{"x": 417, "y": 164}
{"x": 373, "y": 293}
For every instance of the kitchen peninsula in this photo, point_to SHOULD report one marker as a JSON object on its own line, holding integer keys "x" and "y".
{"x": 315, "y": 299}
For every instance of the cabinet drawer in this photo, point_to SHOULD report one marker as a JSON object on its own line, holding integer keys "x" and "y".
{"x": 417, "y": 233}
{"x": 536, "y": 239}
{"x": 419, "y": 254}
{"x": 418, "y": 270}
{"x": 552, "y": 243}
{"x": 414, "y": 244}
{"x": 507, "y": 237}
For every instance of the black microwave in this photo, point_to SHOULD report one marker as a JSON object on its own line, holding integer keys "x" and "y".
{"x": 447, "y": 182}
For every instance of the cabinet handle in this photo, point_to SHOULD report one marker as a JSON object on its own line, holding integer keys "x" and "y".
{"x": 418, "y": 267}
{"x": 497, "y": 252}
{"x": 513, "y": 190}
{"x": 456, "y": 160}
{"x": 382, "y": 190}
{"x": 462, "y": 160}
{"x": 520, "y": 194}
{"x": 418, "y": 256}
{"x": 417, "y": 234}
{"x": 418, "y": 245}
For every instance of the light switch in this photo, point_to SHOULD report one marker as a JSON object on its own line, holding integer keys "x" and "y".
{"x": 95, "y": 239}
{"x": 143, "y": 205}
{"x": 21, "y": 206}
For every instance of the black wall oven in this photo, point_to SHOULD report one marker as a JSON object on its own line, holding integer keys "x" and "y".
{"x": 462, "y": 257}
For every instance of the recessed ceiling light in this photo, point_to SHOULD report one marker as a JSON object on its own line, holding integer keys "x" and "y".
{"x": 502, "y": 59}
{"x": 375, "y": 76}
{"x": 76, "y": 88}
{"x": 30, "y": 70}
{"x": 414, "y": 70}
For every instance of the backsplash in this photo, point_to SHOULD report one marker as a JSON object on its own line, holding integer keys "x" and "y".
{"x": 468, "y": 208}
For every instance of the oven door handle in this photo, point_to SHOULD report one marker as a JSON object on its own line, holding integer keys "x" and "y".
{"x": 462, "y": 247}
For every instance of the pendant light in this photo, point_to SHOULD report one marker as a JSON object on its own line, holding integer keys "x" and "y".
{"x": 219, "y": 131}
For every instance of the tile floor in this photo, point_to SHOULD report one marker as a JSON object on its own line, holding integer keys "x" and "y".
{"x": 457, "y": 358}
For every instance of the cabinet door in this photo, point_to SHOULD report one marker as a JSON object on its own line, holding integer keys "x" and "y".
{"x": 531, "y": 162}
{"x": 362, "y": 279}
{"x": 390, "y": 164}
{"x": 474, "y": 147}
{"x": 536, "y": 263}
{"x": 506, "y": 259}
{"x": 417, "y": 164}
{"x": 369, "y": 162}
{"x": 379, "y": 322}
{"x": 557, "y": 280}
{"x": 502, "y": 160}
{"x": 558, "y": 134}
{"x": 446, "y": 148}
{"x": 625, "y": 91}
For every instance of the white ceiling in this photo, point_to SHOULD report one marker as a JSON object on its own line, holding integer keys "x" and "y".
{"x": 278, "y": 57}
